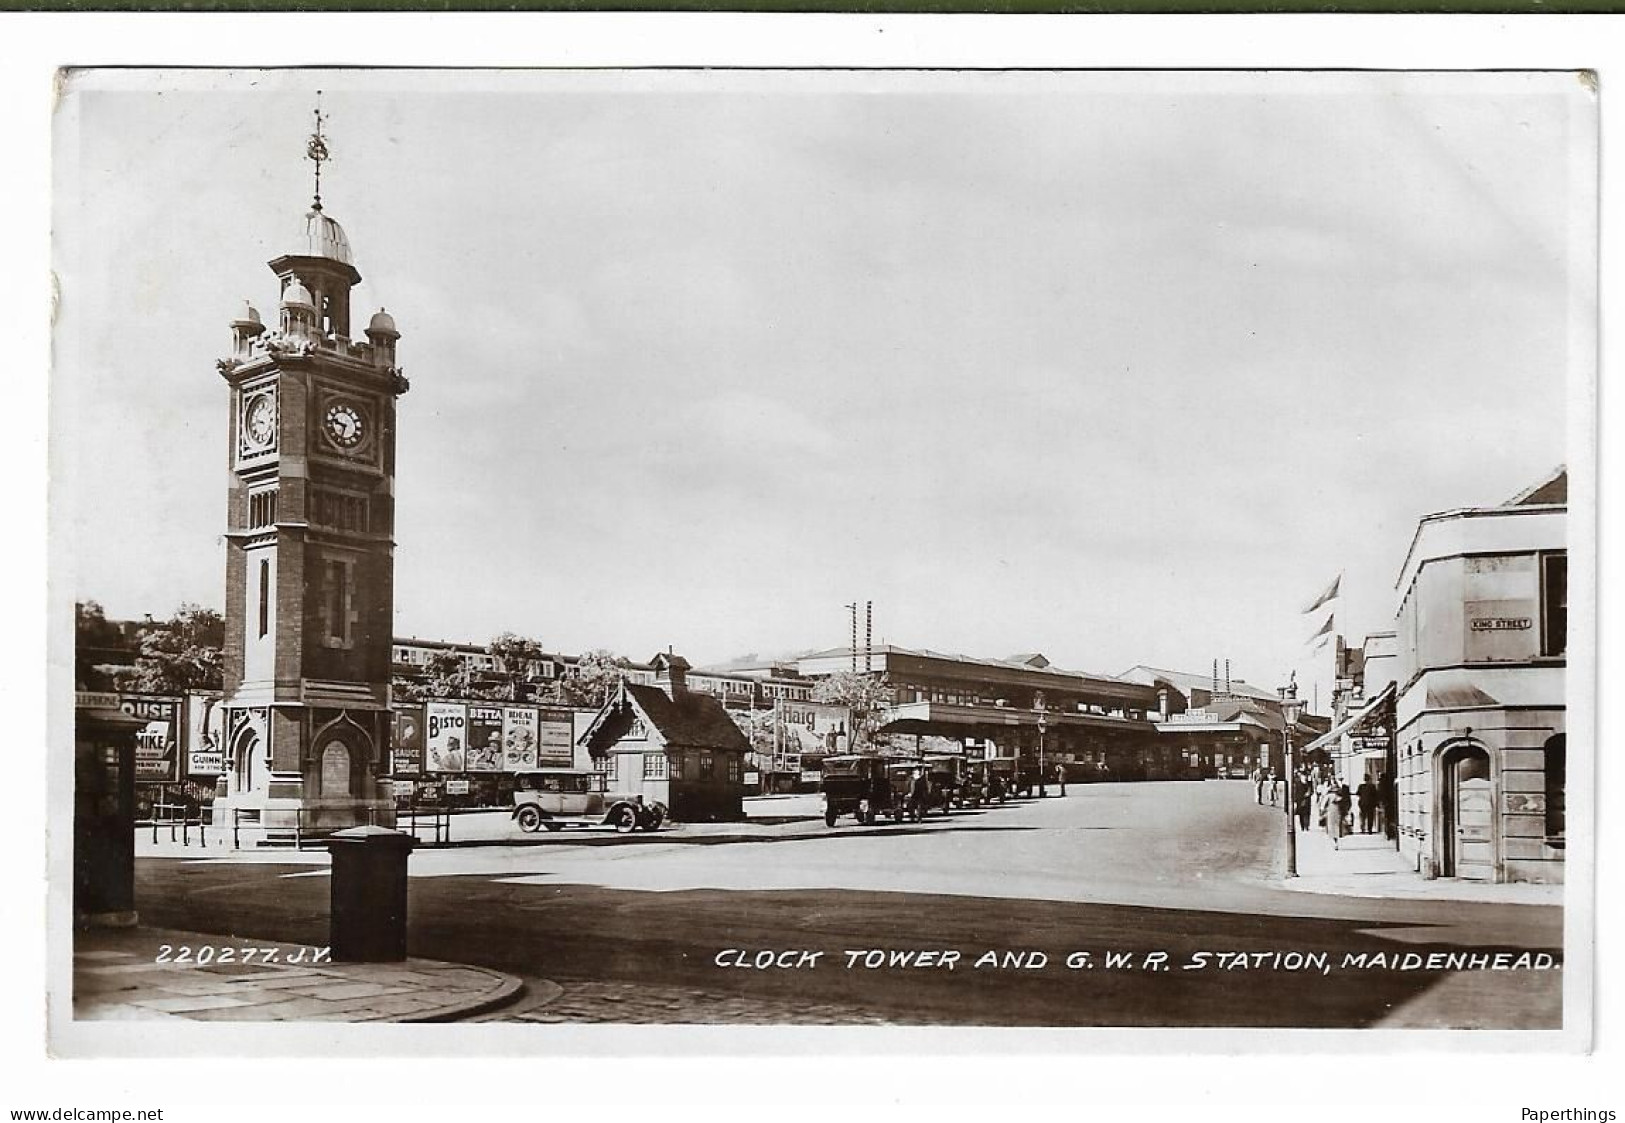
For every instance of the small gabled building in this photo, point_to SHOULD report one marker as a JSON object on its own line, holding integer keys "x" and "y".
{"x": 671, "y": 745}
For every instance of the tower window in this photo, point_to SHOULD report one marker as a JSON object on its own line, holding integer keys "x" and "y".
{"x": 265, "y": 596}
{"x": 262, "y": 509}
{"x": 338, "y": 601}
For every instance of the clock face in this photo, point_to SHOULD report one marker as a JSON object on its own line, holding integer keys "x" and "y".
{"x": 259, "y": 421}
{"x": 344, "y": 424}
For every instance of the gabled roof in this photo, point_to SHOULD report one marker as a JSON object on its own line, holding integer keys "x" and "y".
{"x": 1553, "y": 489}
{"x": 693, "y": 721}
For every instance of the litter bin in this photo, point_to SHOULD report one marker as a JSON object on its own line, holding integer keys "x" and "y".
{"x": 368, "y": 921}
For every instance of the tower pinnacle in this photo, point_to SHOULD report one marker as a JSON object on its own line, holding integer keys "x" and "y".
{"x": 316, "y": 150}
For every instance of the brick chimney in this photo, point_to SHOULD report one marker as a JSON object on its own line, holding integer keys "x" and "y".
{"x": 671, "y": 673}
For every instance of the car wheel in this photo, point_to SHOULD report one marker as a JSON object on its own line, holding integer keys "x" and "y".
{"x": 657, "y": 816}
{"x": 625, "y": 820}
{"x": 830, "y": 815}
{"x": 529, "y": 819}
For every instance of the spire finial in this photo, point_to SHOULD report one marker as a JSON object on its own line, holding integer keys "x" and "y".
{"x": 316, "y": 150}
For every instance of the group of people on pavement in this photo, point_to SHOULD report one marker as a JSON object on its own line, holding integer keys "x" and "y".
{"x": 1317, "y": 794}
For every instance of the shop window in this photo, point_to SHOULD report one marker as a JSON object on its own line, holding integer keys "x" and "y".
{"x": 1554, "y": 604}
{"x": 733, "y": 770}
{"x": 1557, "y": 767}
{"x": 655, "y": 766}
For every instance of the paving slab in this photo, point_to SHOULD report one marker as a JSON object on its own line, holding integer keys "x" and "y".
{"x": 117, "y": 976}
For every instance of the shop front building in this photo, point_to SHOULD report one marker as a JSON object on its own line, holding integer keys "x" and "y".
{"x": 1482, "y": 629}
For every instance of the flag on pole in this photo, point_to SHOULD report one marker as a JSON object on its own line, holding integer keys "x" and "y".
{"x": 1325, "y": 629}
{"x": 1320, "y": 643}
{"x": 1329, "y": 594}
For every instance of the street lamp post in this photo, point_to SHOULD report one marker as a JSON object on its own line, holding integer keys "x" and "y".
{"x": 1041, "y": 722}
{"x": 1290, "y": 709}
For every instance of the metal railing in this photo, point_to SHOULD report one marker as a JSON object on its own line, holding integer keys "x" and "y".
{"x": 181, "y": 819}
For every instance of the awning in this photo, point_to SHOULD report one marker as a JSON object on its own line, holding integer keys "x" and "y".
{"x": 1326, "y": 740}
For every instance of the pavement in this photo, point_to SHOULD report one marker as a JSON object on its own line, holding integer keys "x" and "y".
{"x": 1368, "y": 865}
{"x": 143, "y": 974}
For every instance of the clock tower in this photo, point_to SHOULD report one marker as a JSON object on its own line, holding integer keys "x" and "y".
{"x": 310, "y": 544}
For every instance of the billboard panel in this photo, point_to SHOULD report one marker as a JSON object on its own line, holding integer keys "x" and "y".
{"x": 555, "y": 742}
{"x": 484, "y": 747}
{"x": 205, "y": 735}
{"x": 447, "y": 735}
{"x": 406, "y": 747}
{"x": 157, "y": 745}
{"x": 519, "y": 729}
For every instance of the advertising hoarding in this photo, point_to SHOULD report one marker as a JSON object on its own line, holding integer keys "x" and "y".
{"x": 483, "y": 750}
{"x": 519, "y": 729}
{"x": 205, "y": 735}
{"x": 446, "y": 725}
{"x": 406, "y": 746}
{"x": 157, "y": 747}
{"x": 555, "y": 742}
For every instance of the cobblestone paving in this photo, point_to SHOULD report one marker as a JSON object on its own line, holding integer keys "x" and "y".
{"x": 640, "y": 1004}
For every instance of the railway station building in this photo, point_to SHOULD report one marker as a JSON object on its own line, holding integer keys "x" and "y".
{"x": 1092, "y": 725}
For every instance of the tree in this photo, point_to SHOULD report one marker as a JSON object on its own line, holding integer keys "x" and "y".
{"x": 444, "y": 676}
{"x": 179, "y": 654}
{"x": 96, "y": 641}
{"x": 864, "y": 695}
{"x": 592, "y": 680}
{"x": 516, "y": 658}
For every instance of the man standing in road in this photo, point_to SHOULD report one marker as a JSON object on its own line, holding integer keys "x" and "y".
{"x": 1258, "y": 784}
{"x": 1275, "y": 786}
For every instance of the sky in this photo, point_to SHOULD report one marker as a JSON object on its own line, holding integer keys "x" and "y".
{"x": 1119, "y": 367}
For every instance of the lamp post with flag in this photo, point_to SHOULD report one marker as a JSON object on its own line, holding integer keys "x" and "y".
{"x": 1290, "y": 709}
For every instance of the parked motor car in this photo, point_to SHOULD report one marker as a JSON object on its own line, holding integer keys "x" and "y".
{"x": 555, "y": 798}
{"x": 947, "y": 778}
{"x": 860, "y": 786}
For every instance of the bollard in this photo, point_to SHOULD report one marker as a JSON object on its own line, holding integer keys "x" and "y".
{"x": 368, "y": 921}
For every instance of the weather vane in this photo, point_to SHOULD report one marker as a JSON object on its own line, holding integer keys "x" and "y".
{"x": 316, "y": 149}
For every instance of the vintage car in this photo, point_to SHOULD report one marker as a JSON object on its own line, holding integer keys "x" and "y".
{"x": 556, "y": 798}
{"x": 947, "y": 780}
{"x": 973, "y": 787}
{"x": 860, "y": 786}
{"x": 1008, "y": 770}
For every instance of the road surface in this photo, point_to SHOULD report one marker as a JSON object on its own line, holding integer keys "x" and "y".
{"x": 1118, "y": 905}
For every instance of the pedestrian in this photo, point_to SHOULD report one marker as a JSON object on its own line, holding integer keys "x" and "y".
{"x": 1345, "y": 806}
{"x": 1275, "y": 786}
{"x": 1258, "y": 785}
{"x": 1303, "y": 801}
{"x": 919, "y": 796}
{"x": 1330, "y": 815}
{"x": 1388, "y": 807}
{"x": 1060, "y": 777}
{"x": 1366, "y": 796}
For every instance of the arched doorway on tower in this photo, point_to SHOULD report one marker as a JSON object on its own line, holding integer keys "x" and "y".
{"x": 245, "y": 765}
{"x": 1467, "y": 812}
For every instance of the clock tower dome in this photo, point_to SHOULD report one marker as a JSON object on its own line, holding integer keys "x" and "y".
{"x": 310, "y": 544}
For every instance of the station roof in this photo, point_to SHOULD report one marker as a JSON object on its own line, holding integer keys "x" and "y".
{"x": 1185, "y": 682}
{"x": 1033, "y": 663}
